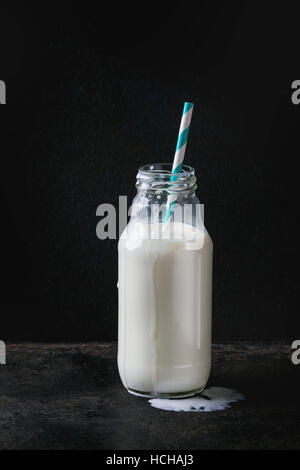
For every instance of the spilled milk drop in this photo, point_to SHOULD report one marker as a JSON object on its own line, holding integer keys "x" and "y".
{"x": 212, "y": 399}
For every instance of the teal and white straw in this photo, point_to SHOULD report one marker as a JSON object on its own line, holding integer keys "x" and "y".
{"x": 179, "y": 153}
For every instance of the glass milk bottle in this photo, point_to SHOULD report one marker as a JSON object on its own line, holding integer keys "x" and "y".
{"x": 165, "y": 288}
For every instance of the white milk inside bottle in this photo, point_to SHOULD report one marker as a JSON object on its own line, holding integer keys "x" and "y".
{"x": 165, "y": 292}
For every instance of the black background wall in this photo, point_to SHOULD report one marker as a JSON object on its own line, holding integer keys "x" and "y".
{"x": 93, "y": 93}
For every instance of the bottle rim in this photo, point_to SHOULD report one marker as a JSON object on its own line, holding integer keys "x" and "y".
{"x": 164, "y": 171}
{"x": 159, "y": 176}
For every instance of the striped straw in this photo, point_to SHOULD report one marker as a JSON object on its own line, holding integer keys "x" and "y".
{"x": 180, "y": 151}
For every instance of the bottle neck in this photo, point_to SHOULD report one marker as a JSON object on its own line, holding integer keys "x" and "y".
{"x": 157, "y": 178}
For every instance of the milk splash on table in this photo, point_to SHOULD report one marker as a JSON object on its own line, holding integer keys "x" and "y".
{"x": 212, "y": 399}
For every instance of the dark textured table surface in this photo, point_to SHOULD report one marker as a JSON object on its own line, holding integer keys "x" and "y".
{"x": 69, "y": 396}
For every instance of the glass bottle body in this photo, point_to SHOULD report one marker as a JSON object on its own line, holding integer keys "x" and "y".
{"x": 165, "y": 289}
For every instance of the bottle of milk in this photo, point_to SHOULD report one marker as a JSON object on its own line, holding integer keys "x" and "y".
{"x": 165, "y": 288}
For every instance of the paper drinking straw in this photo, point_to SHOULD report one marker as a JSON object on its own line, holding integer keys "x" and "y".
{"x": 179, "y": 153}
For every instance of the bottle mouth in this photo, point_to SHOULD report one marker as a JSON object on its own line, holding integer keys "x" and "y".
{"x": 164, "y": 171}
{"x": 157, "y": 176}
